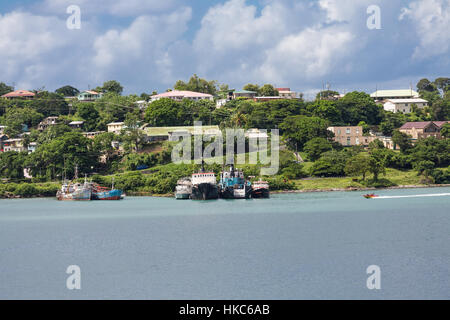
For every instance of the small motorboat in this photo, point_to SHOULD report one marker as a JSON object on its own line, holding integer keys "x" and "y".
{"x": 370, "y": 196}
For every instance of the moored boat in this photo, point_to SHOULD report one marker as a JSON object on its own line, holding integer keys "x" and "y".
{"x": 233, "y": 185}
{"x": 260, "y": 189}
{"x": 102, "y": 193}
{"x": 183, "y": 189}
{"x": 75, "y": 192}
{"x": 204, "y": 186}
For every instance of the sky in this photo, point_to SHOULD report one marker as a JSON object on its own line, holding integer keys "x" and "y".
{"x": 148, "y": 45}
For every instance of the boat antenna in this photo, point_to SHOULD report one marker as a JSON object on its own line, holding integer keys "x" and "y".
{"x": 76, "y": 172}
{"x": 112, "y": 187}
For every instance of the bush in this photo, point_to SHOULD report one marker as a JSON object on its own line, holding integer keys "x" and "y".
{"x": 278, "y": 183}
{"x": 380, "y": 183}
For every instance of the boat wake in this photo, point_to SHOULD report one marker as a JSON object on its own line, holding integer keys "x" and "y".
{"x": 414, "y": 196}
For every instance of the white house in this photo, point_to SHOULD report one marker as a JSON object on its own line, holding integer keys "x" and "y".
{"x": 116, "y": 127}
{"x": 180, "y": 95}
{"x": 89, "y": 95}
{"x": 404, "y": 105}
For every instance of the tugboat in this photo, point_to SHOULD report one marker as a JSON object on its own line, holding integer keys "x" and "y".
{"x": 233, "y": 185}
{"x": 102, "y": 193}
{"x": 260, "y": 189}
{"x": 204, "y": 185}
{"x": 183, "y": 190}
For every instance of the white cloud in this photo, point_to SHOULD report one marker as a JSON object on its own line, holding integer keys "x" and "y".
{"x": 309, "y": 54}
{"x": 113, "y": 7}
{"x": 432, "y": 23}
{"x": 143, "y": 46}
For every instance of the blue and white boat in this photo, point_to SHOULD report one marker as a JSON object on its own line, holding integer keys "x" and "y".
{"x": 233, "y": 185}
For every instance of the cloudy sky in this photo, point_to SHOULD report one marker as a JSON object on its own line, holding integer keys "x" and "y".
{"x": 149, "y": 44}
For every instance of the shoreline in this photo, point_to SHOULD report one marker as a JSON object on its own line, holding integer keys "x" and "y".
{"x": 170, "y": 195}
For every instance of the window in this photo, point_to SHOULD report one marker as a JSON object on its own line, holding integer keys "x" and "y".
{"x": 357, "y": 141}
{"x": 348, "y": 130}
{"x": 348, "y": 141}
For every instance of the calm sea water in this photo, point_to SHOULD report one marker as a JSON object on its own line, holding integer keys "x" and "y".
{"x": 292, "y": 246}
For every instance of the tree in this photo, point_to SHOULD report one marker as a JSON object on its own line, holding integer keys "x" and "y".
{"x": 67, "y": 91}
{"x": 326, "y": 94}
{"x": 445, "y": 131}
{"x": 268, "y": 90}
{"x": 4, "y": 88}
{"x": 426, "y": 85}
{"x": 315, "y": 147}
{"x": 330, "y": 164}
{"x": 49, "y": 104}
{"x": 197, "y": 84}
{"x": 442, "y": 83}
{"x": 133, "y": 137}
{"x": 12, "y": 164}
{"x": 251, "y": 87}
{"x": 377, "y": 163}
{"x": 112, "y": 86}
{"x": 163, "y": 112}
{"x": 15, "y": 118}
{"x": 402, "y": 140}
{"x": 61, "y": 155}
{"x": 359, "y": 106}
{"x": 358, "y": 165}
{"x": 89, "y": 113}
{"x": 424, "y": 167}
{"x": 300, "y": 129}
{"x": 326, "y": 109}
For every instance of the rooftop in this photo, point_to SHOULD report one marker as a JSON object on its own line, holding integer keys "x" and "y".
{"x": 394, "y": 93}
{"x": 164, "y": 131}
{"x": 181, "y": 94}
{"x": 417, "y": 125}
{"x": 19, "y": 93}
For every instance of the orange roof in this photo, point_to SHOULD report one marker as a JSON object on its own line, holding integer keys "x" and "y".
{"x": 19, "y": 93}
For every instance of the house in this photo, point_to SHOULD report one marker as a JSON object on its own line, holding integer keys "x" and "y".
{"x": 166, "y": 133}
{"x": 422, "y": 130}
{"x": 47, "y": 122}
{"x": 403, "y": 105}
{"x": 181, "y": 95}
{"x": 92, "y": 135}
{"x": 14, "y": 145}
{"x": 244, "y": 94}
{"x": 19, "y": 94}
{"x": 351, "y": 136}
{"x": 76, "y": 124}
{"x": 89, "y": 95}
{"x": 286, "y": 93}
{"x": 381, "y": 95}
{"x": 116, "y": 127}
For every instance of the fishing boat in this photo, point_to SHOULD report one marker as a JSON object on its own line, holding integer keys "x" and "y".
{"x": 183, "y": 189}
{"x": 370, "y": 196}
{"x": 103, "y": 193}
{"x": 233, "y": 185}
{"x": 75, "y": 192}
{"x": 260, "y": 189}
{"x": 204, "y": 185}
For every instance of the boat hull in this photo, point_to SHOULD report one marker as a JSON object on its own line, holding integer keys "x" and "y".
{"x": 204, "y": 191}
{"x": 260, "y": 193}
{"x": 107, "y": 195}
{"x": 81, "y": 195}
{"x": 233, "y": 193}
{"x": 182, "y": 196}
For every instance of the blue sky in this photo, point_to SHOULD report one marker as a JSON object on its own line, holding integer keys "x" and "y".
{"x": 149, "y": 44}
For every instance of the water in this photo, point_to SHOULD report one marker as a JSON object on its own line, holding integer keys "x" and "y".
{"x": 292, "y": 246}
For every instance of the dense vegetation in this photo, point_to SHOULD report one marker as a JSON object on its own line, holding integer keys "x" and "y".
{"x": 303, "y": 125}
